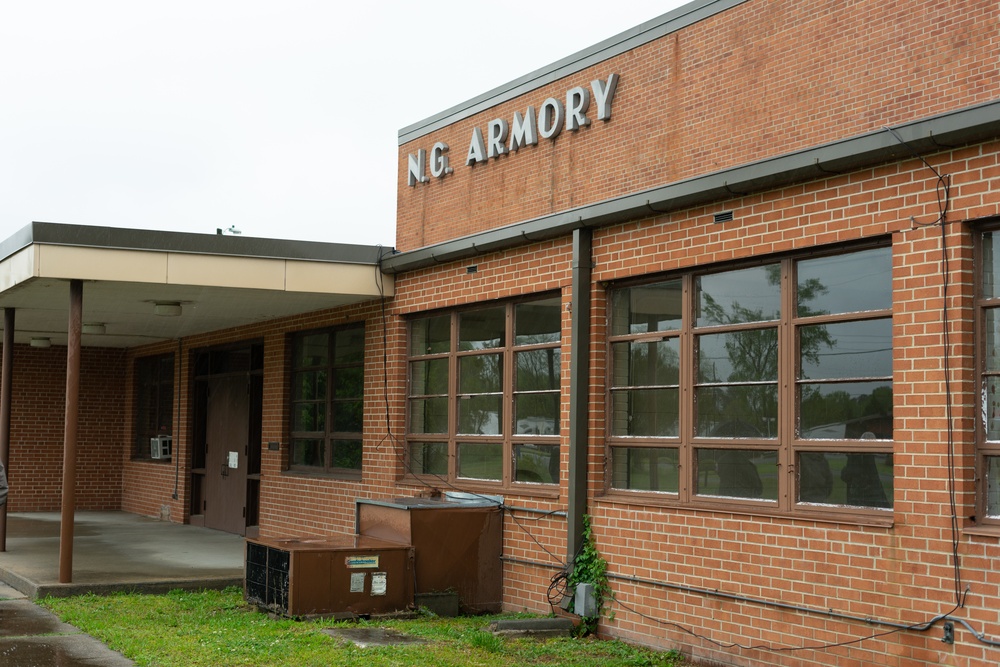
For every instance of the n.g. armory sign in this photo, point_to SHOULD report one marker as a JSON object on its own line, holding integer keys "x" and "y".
{"x": 503, "y": 137}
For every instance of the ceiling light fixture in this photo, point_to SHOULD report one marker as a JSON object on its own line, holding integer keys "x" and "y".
{"x": 41, "y": 342}
{"x": 167, "y": 309}
{"x": 96, "y": 328}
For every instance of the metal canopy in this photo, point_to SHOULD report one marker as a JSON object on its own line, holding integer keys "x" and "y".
{"x": 218, "y": 282}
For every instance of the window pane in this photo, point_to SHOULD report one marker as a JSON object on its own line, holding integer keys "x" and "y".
{"x": 311, "y": 350}
{"x": 645, "y": 363}
{"x": 309, "y": 417}
{"x": 646, "y": 412}
{"x": 537, "y": 322}
{"x": 846, "y": 350}
{"x": 536, "y": 414}
{"x": 993, "y": 487}
{"x": 307, "y": 453}
{"x": 645, "y": 469}
{"x": 429, "y": 377}
{"x": 348, "y": 416}
{"x": 480, "y": 415}
{"x": 843, "y": 478}
{"x": 537, "y": 370}
{"x": 646, "y": 308}
{"x": 991, "y": 328}
{"x": 480, "y": 374}
{"x": 738, "y": 356}
{"x": 482, "y": 329}
{"x": 309, "y": 385}
{"x": 347, "y": 454}
{"x": 480, "y": 460}
{"x": 991, "y": 411}
{"x": 846, "y": 410}
{"x": 737, "y": 473}
{"x": 349, "y": 382}
{"x": 746, "y": 295}
{"x": 429, "y": 458}
{"x": 845, "y": 283}
{"x": 430, "y": 335}
{"x": 429, "y": 415}
{"x": 349, "y": 346}
{"x": 536, "y": 463}
{"x": 746, "y": 411}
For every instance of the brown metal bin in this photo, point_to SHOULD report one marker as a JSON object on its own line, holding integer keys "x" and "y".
{"x": 329, "y": 576}
{"x": 457, "y": 541}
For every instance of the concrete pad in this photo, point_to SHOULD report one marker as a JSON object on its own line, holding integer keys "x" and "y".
{"x": 365, "y": 637}
{"x": 118, "y": 551}
{"x": 532, "y": 627}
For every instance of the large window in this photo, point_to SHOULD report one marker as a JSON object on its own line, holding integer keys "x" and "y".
{"x": 328, "y": 401}
{"x": 989, "y": 379}
{"x": 484, "y": 394}
{"x": 154, "y": 404}
{"x": 770, "y": 383}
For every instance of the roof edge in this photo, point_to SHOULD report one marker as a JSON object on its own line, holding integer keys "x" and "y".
{"x": 928, "y": 135}
{"x": 120, "y": 238}
{"x": 651, "y": 30}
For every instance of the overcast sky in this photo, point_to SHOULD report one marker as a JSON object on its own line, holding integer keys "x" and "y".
{"x": 278, "y": 118}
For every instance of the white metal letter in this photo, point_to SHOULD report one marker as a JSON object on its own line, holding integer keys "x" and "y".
{"x": 416, "y": 164}
{"x": 439, "y": 161}
{"x": 523, "y": 131}
{"x": 577, "y": 103}
{"x": 604, "y": 94}
{"x": 498, "y": 135}
{"x": 550, "y": 118}
{"x": 477, "y": 149}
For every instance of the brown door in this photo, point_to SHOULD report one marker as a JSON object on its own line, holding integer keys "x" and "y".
{"x": 227, "y": 432}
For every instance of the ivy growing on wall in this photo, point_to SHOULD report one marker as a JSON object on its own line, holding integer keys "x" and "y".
{"x": 589, "y": 567}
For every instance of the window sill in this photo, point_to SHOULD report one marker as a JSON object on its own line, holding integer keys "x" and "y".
{"x": 982, "y": 531}
{"x": 464, "y": 486}
{"x": 886, "y": 520}
{"x": 146, "y": 459}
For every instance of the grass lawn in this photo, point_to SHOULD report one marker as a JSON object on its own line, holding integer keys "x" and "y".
{"x": 218, "y": 628}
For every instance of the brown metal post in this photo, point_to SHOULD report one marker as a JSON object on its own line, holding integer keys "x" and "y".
{"x": 6, "y": 373}
{"x": 74, "y": 330}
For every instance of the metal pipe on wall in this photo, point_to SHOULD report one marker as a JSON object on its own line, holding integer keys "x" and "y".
{"x": 579, "y": 389}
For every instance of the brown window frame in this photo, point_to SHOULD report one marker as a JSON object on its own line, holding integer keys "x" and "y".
{"x": 683, "y": 476}
{"x": 153, "y": 377}
{"x": 987, "y": 450}
{"x": 329, "y": 405}
{"x": 437, "y": 407}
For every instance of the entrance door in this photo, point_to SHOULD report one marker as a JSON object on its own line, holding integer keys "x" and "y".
{"x": 226, "y": 444}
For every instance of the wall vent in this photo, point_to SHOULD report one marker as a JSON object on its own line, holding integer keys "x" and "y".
{"x": 724, "y": 216}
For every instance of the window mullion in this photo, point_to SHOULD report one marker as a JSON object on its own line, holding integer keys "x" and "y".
{"x": 787, "y": 402}
{"x": 687, "y": 378}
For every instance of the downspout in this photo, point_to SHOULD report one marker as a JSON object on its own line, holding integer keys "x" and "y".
{"x": 68, "y": 515}
{"x": 6, "y": 376}
{"x": 579, "y": 389}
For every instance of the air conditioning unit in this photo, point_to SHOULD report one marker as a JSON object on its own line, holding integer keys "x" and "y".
{"x": 160, "y": 447}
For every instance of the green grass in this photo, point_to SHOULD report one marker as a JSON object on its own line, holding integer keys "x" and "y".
{"x": 217, "y": 628}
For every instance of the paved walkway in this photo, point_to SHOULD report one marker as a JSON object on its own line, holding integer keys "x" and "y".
{"x": 33, "y": 637}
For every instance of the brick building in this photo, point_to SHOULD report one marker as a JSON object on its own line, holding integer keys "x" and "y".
{"x": 725, "y": 283}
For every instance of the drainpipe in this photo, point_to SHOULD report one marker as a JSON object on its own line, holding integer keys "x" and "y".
{"x": 579, "y": 389}
{"x": 74, "y": 329}
{"x": 6, "y": 375}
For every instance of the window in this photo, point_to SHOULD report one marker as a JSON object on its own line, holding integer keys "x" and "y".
{"x": 988, "y": 428}
{"x": 328, "y": 401}
{"x": 484, "y": 394}
{"x": 737, "y": 375}
{"x": 154, "y": 402}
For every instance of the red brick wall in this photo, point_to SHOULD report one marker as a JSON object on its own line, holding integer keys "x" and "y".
{"x": 761, "y": 79}
{"x": 38, "y": 413}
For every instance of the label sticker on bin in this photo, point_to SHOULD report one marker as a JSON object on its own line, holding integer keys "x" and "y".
{"x": 358, "y": 582}
{"x": 378, "y": 583}
{"x": 361, "y": 562}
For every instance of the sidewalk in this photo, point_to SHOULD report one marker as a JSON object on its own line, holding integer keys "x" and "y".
{"x": 33, "y": 637}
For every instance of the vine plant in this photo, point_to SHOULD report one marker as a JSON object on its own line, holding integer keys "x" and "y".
{"x": 589, "y": 567}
